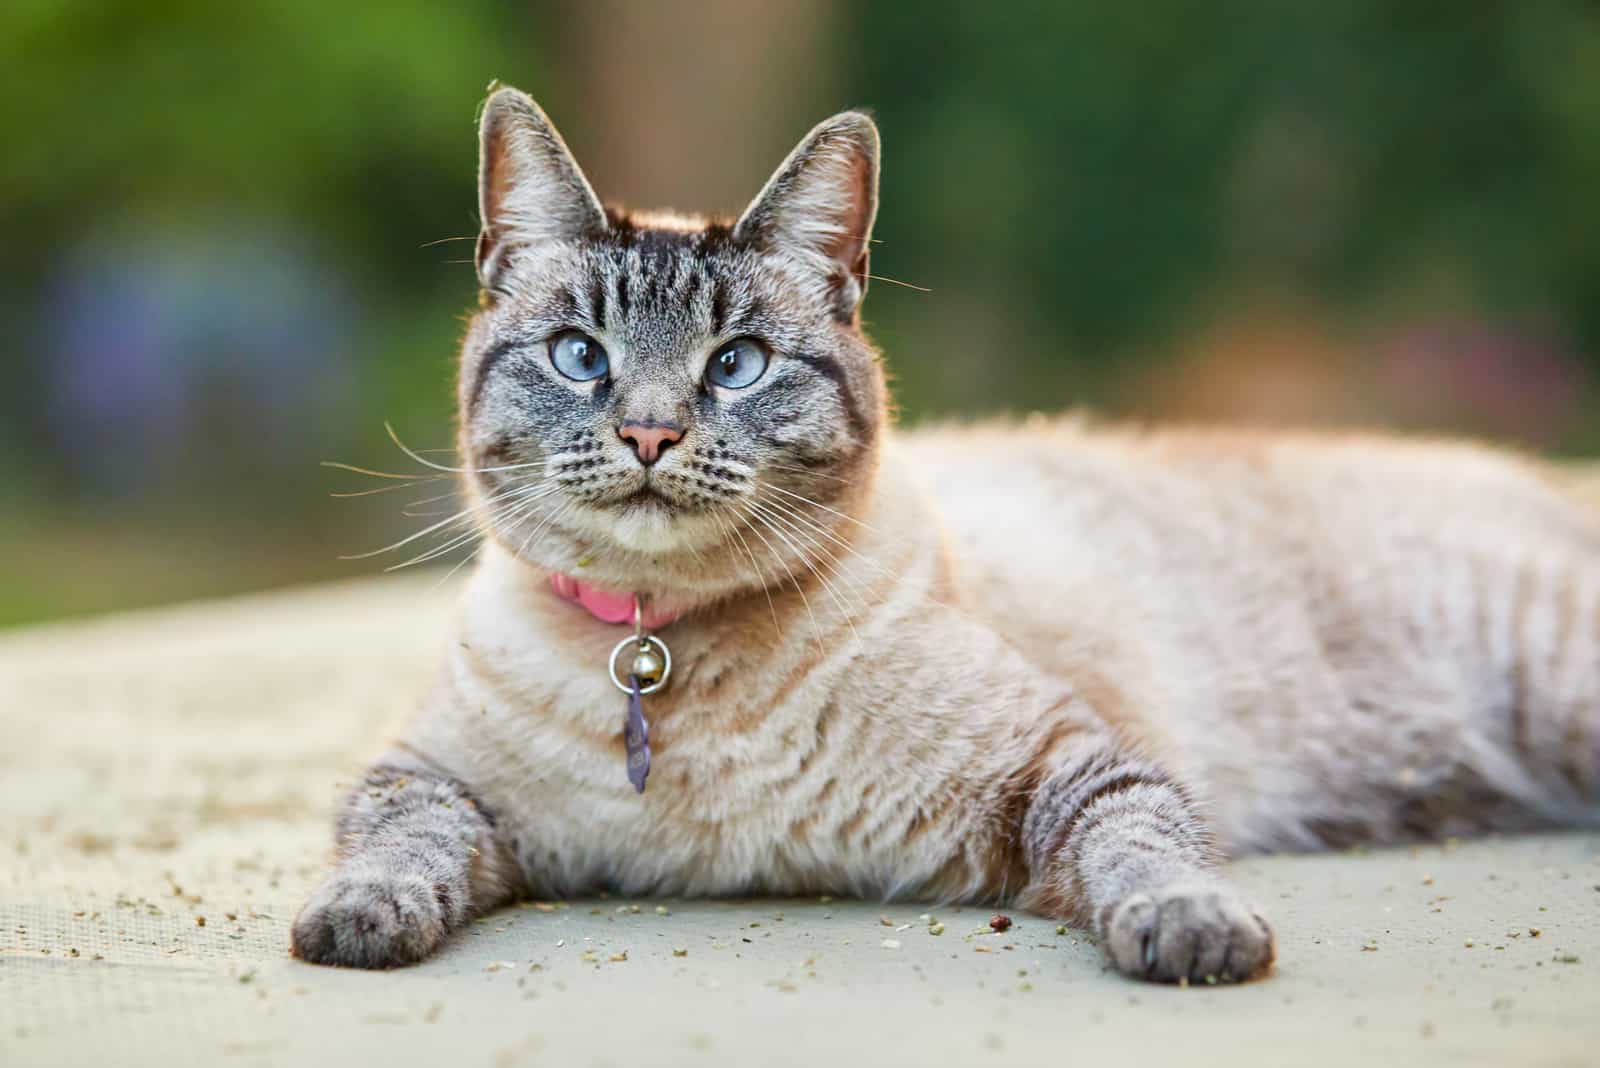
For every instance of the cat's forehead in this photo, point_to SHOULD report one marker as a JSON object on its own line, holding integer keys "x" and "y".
{"x": 659, "y": 282}
{"x": 639, "y": 272}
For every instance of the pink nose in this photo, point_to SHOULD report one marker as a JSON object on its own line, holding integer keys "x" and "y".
{"x": 649, "y": 440}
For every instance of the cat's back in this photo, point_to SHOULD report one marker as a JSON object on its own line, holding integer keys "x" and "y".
{"x": 1277, "y": 609}
{"x": 1190, "y": 539}
{"x": 1013, "y": 494}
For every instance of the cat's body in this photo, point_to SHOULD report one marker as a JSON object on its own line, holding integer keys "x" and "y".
{"x": 1039, "y": 663}
{"x": 1333, "y": 639}
{"x": 1328, "y": 642}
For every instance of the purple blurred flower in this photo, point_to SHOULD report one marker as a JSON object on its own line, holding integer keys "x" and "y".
{"x": 1485, "y": 378}
{"x": 155, "y": 343}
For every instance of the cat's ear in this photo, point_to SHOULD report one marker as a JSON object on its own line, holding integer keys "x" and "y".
{"x": 530, "y": 190}
{"x": 819, "y": 205}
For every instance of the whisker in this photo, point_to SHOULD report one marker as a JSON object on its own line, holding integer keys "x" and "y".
{"x": 725, "y": 528}
{"x": 376, "y": 474}
{"x": 761, "y": 579}
{"x": 695, "y": 553}
{"x": 511, "y": 504}
{"x": 816, "y": 504}
{"x": 794, "y": 513}
{"x": 464, "y": 513}
{"x": 821, "y": 579}
{"x": 859, "y": 585}
{"x": 446, "y": 241}
{"x": 549, "y": 519}
{"x": 897, "y": 282}
{"x": 424, "y": 532}
{"x": 388, "y": 489}
{"x": 409, "y": 451}
{"x": 833, "y": 565}
{"x": 463, "y": 562}
{"x": 453, "y": 495}
{"x": 549, "y": 524}
{"x": 805, "y": 471}
{"x": 816, "y": 630}
{"x": 437, "y": 551}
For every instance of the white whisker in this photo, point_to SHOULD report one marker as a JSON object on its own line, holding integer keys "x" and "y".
{"x": 833, "y": 565}
{"x": 816, "y": 504}
{"x": 407, "y": 510}
{"x": 437, "y": 551}
{"x": 728, "y": 528}
{"x": 822, "y": 580}
{"x": 565, "y": 507}
{"x": 790, "y": 510}
{"x": 457, "y": 517}
{"x": 425, "y": 462}
{"x": 898, "y": 282}
{"x": 804, "y": 471}
{"x": 511, "y": 501}
{"x": 343, "y": 494}
{"x": 424, "y": 532}
{"x": 815, "y": 629}
{"x": 377, "y": 474}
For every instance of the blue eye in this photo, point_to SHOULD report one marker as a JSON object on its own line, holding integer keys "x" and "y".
{"x": 737, "y": 364}
{"x": 578, "y": 356}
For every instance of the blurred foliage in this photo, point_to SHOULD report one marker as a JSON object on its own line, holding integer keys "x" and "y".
{"x": 345, "y": 132}
{"x": 1107, "y": 203}
{"x": 348, "y": 127}
{"x": 1115, "y": 174}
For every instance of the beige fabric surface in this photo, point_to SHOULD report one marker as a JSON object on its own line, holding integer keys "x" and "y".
{"x": 162, "y": 768}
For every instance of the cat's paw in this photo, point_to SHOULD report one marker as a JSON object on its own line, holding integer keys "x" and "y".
{"x": 370, "y": 920}
{"x": 1200, "y": 932}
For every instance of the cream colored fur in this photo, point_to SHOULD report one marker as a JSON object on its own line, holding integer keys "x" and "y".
{"x": 1235, "y": 602}
{"x": 1045, "y": 662}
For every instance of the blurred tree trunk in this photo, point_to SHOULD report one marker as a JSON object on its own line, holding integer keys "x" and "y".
{"x": 687, "y": 105}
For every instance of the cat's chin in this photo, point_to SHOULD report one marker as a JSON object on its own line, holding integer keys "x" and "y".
{"x": 655, "y": 527}
{"x": 644, "y": 522}
{"x": 676, "y": 582}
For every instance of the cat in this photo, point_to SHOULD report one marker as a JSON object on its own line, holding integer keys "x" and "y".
{"x": 1051, "y": 664}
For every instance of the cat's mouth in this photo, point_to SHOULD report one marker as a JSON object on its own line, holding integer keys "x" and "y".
{"x": 661, "y": 494}
{"x": 648, "y": 496}
{"x": 648, "y": 501}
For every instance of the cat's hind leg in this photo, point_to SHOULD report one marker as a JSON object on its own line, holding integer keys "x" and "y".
{"x": 418, "y": 856}
{"x": 1537, "y": 721}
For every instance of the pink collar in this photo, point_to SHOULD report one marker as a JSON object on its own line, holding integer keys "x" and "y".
{"x": 608, "y": 606}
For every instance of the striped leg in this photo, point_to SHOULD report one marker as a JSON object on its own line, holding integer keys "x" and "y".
{"x": 417, "y": 857}
{"x": 1112, "y": 842}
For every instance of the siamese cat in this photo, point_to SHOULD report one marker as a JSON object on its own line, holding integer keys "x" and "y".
{"x": 1062, "y": 667}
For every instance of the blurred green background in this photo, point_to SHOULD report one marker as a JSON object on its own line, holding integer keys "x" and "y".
{"x": 226, "y": 254}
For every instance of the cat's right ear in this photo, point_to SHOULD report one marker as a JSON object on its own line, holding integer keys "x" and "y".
{"x": 530, "y": 190}
{"x": 818, "y": 208}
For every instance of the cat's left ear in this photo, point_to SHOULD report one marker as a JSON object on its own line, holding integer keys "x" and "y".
{"x": 530, "y": 189}
{"x": 819, "y": 206}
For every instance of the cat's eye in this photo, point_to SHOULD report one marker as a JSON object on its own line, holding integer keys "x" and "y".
{"x": 578, "y": 356}
{"x": 737, "y": 364}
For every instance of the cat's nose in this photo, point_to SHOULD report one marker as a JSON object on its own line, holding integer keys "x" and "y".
{"x": 650, "y": 439}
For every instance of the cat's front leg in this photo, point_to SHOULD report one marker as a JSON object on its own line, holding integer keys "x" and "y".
{"x": 1112, "y": 841}
{"x": 418, "y": 856}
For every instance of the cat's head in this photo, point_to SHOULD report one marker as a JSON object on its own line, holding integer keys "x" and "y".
{"x": 664, "y": 403}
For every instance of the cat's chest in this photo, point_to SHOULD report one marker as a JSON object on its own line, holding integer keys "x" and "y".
{"x": 706, "y": 823}
{"x": 781, "y": 801}
{"x": 771, "y": 768}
